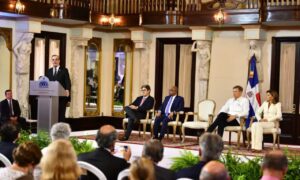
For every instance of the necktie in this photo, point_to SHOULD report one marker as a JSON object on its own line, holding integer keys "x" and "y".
{"x": 55, "y": 71}
{"x": 10, "y": 108}
{"x": 143, "y": 100}
{"x": 168, "y": 108}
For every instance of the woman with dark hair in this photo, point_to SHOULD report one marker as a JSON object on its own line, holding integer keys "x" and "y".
{"x": 26, "y": 156}
{"x": 9, "y": 134}
{"x": 268, "y": 112}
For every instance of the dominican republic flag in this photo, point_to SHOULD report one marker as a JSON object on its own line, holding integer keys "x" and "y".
{"x": 252, "y": 91}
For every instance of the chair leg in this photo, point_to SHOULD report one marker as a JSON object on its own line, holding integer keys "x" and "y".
{"x": 230, "y": 138}
{"x": 274, "y": 140}
{"x": 139, "y": 130}
{"x": 144, "y": 130}
{"x": 238, "y": 139}
{"x": 174, "y": 132}
{"x": 248, "y": 139}
{"x": 124, "y": 126}
{"x": 244, "y": 138}
{"x": 151, "y": 129}
{"x": 278, "y": 141}
{"x": 183, "y": 134}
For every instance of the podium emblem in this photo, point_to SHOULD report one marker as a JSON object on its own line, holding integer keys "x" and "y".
{"x": 43, "y": 82}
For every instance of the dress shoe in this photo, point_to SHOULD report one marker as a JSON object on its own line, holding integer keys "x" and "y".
{"x": 124, "y": 138}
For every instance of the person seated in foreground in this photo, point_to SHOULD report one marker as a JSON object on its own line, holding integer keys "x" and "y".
{"x": 214, "y": 170}
{"x": 230, "y": 114}
{"x": 103, "y": 157}
{"x": 154, "y": 150}
{"x": 138, "y": 110}
{"x": 211, "y": 147}
{"x": 26, "y": 156}
{"x": 9, "y": 134}
{"x": 11, "y": 112}
{"x": 167, "y": 112}
{"x": 142, "y": 169}
{"x": 59, "y": 130}
{"x": 271, "y": 111}
{"x": 60, "y": 162}
{"x": 274, "y": 165}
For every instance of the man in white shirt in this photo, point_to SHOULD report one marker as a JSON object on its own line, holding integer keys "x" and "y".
{"x": 231, "y": 112}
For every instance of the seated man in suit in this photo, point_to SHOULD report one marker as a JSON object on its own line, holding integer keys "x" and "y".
{"x": 9, "y": 134}
{"x": 167, "y": 112}
{"x": 210, "y": 148}
{"x": 138, "y": 110}
{"x": 231, "y": 112}
{"x": 154, "y": 150}
{"x": 10, "y": 111}
{"x": 103, "y": 157}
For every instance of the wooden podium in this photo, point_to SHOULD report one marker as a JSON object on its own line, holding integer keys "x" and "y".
{"x": 48, "y": 93}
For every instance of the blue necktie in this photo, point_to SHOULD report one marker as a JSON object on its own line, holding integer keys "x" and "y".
{"x": 167, "y": 110}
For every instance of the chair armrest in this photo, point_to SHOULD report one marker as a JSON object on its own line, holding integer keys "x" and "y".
{"x": 210, "y": 118}
{"x": 242, "y": 121}
{"x": 277, "y": 123}
{"x": 178, "y": 115}
{"x": 251, "y": 121}
{"x": 187, "y": 114}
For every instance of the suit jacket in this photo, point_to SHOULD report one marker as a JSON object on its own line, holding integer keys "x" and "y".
{"x": 192, "y": 172}
{"x": 62, "y": 76}
{"x": 5, "y": 114}
{"x": 178, "y": 104}
{"x": 6, "y": 148}
{"x": 109, "y": 164}
{"x": 163, "y": 173}
{"x": 147, "y": 105}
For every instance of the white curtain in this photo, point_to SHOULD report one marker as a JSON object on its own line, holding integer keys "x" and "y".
{"x": 39, "y": 58}
{"x": 169, "y": 68}
{"x": 185, "y": 68}
{"x": 53, "y": 49}
{"x": 287, "y": 76}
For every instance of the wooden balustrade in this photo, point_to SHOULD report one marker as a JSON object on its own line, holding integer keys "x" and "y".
{"x": 272, "y": 3}
{"x": 73, "y": 3}
{"x": 117, "y": 7}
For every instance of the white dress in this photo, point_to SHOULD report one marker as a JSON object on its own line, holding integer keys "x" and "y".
{"x": 10, "y": 174}
{"x": 270, "y": 113}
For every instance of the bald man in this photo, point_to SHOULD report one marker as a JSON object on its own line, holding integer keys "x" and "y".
{"x": 103, "y": 157}
{"x": 274, "y": 166}
{"x": 214, "y": 170}
{"x": 166, "y": 113}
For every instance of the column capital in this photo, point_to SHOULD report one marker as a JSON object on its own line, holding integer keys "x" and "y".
{"x": 29, "y": 25}
{"x": 254, "y": 32}
{"x": 82, "y": 33}
{"x": 141, "y": 37}
{"x": 203, "y": 33}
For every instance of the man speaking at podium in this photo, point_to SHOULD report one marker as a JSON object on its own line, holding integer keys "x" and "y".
{"x": 60, "y": 74}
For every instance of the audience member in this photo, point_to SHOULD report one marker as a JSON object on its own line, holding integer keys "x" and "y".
{"x": 10, "y": 111}
{"x": 167, "y": 112}
{"x": 9, "y": 134}
{"x": 267, "y": 113}
{"x": 214, "y": 170}
{"x": 274, "y": 165}
{"x": 59, "y": 130}
{"x": 26, "y": 156}
{"x": 138, "y": 110}
{"x": 211, "y": 146}
{"x": 142, "y": 169}
{"x": 60, "y": 162}
{"x": 154, "y": 150}
{"x": 103, "y": 157}
{"x": 230, "y": 114}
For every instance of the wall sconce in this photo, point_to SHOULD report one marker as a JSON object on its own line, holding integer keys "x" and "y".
{"x": 20, "y": 7}
{"x": 220, "y": 16}
{"x": 112, "y": 20}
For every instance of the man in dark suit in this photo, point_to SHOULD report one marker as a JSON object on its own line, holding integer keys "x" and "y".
{"x": 138, "y": 110}
{"x": 103, "y": 157}
{"x": 211, "y": 147}
{"x": 167, "y": 112}
{"x": 9, "y": 134}
{"x": 154, "y": 150}
{"x": 10, "y": 111}
{"x": 60, "y": 74}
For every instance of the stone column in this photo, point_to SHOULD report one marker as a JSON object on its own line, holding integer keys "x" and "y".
{"x": 202, "y": 37}
{"x": 25, "y": 30}
{"x": 256, "y": 35}
{"x": 79, "y": 40}
{"x": 142, "y": 41}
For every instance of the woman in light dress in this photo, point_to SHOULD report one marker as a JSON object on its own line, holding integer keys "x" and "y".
{"x": 268, "y": 112}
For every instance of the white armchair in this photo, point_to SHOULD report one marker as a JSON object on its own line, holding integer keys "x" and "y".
{"x": 204, "y": 117}
{"x": 89, "y": 167}
{"x": 237, "y": 129}
{"x": 4, "y": 160}
{"x": 275, "y": 131}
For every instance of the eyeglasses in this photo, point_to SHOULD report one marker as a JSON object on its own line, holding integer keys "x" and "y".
{"x": 143, "y": 90}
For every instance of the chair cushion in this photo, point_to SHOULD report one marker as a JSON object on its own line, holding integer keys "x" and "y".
{"x": 125, "y": 120}
{"x": 233, "y": 128}
{"x": 172, "y": 123}
{"x": 196, "y": 125}
{"x": 268, "y": 130}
